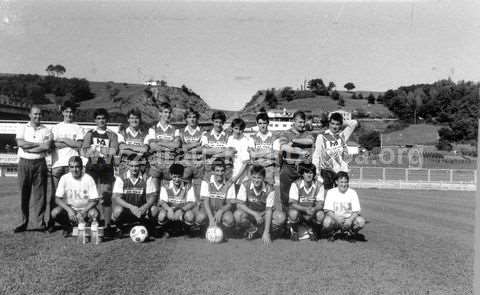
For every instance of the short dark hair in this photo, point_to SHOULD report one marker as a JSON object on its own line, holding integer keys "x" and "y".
{"x": 165, "y": 105}
{"x": 192, "y": 111}
{"x": 262, "y": 116}
{"x": 258, "y": 169}
{"x": 337, "y": 117}
{"x": 218, "y": 162}
{"x": 101, "y": 112}
{"x": 238, "y": 122}
{"x": 176, "y": 169}
{"x": 133, "y": 157}
{"x": 68, "y": 104}
{"x": 219, "y": 115}
{"x": 304, "y": 167}
{"x": 300, "y": 114}
{"x": 342, "y": 174}
{"x": 75, "y": 159}
{"x": 135, "y": 112}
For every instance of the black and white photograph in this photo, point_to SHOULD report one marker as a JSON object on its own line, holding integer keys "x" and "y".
{"x": 239, "y": 147}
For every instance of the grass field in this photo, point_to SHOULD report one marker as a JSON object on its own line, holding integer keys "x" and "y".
{"x": 419, "y": 242}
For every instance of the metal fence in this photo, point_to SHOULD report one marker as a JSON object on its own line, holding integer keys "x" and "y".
{"x": 387, "y": 174}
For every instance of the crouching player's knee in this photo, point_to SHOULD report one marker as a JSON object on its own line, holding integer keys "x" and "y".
{"x": 116, "y": 213}
{"x": 162, "y": 217}
{"x": 227, "y": 219}
{"x": 56, "y": 212}
{"x": 319, "y": 217}
{"x": 200, "y": 217}
{"x": 240, "y": 217}
{"x": 293, "y": 215}
{"x": 278, "y": 218}
{"x": 329, "y": 223}
{"x": 358, "y": 223}
{"x": 154, "y": 210}
{"x": 189, "y": 217}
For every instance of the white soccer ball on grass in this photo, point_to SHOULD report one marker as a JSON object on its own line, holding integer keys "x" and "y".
{"x": 138, "y": 233}
{"x": 214, "y": 234}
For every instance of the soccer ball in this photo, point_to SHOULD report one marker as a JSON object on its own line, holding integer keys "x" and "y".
{"x": 138, "y": 233}
{"x": 214, "y": 234}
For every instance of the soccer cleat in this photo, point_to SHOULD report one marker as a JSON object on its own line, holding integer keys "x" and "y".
{"x": 292, "y": 232}
{"x": 108, "y": 232}
{"x": 313, "y": 236}
{"x": 332, "y": 237}
{"x": 50, "y": 228}
{"x": 67, "y": 232}
{"x": 20, "y": 229}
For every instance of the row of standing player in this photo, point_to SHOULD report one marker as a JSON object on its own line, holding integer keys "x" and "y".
{"x": 295, "y": 147}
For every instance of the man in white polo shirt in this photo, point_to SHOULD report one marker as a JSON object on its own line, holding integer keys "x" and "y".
{"x": 34, "y": 141}
{"x": 76, "y": 197}
{"x": 67, "y": 137}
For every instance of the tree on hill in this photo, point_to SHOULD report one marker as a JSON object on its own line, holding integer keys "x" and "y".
{"x": 360, "y": 96}
{"x": 457, "y": 104}
{"x": 271, "y": 99}
{"x": 331, "y": 85}
{"x": 349, "y": 86}
{"x": 354, "y": 96}
{"x": 380, "y": 99}
{"x": 341, "y": 102}
{"x": 371, "y": 99}
{"x": 317, "y": 86}
{"x": 288, "y": 93}
{"x": 55, "y": 70}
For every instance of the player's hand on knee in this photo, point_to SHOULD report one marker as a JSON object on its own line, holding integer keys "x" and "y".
{"x": 218, "y": 217}
{"x": 170, "y": 214}
{"x": 71, "y": 215}
{"x": 258, "y": 218}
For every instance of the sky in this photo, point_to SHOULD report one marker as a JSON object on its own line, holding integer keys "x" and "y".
{"x": 226, "y": 51}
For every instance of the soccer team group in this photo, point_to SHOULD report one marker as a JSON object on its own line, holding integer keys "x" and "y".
{"x": 184, "y": 180}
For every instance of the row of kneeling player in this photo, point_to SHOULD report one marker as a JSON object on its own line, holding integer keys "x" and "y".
{"x": 251, "y": 209}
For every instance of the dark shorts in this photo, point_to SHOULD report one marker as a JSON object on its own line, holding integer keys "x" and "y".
{"x": 127, "y": 217}
{"x": 104, "y": 179}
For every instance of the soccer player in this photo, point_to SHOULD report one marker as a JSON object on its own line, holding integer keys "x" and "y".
{"x": 68, "y": 138}
{"x": 134, "y": 195}
{"x": 191, "y": 141}
{"x": 215, "y": 146}
{"x": 331, "y": 148}
{"x": 217, "y": 195}
{"x": 296, "y": 146}
{"x": 34, "y": 140}
{"x": 100, "y": 145}
{"x": 177, "y": 201}
{"x": 262, "y": 152}
{"x": 306, "y": 200}
{"x": 131, "y": 141}
{"x": 76, "y": 197}
{"x": 163, "y": 139}
{"x": 255, "y": 207}
{"x": 241, "y": 144}
{"x": 342, "y": 209}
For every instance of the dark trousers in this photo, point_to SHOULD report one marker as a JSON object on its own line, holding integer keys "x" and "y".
{"x": 57, "y": 173}
{"x": 288, "y": 174}
{"x": 32, "y": 181}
